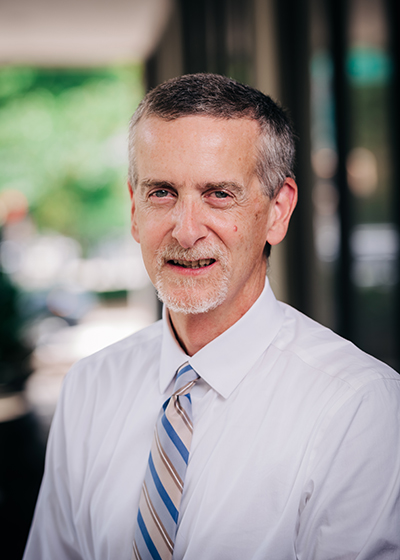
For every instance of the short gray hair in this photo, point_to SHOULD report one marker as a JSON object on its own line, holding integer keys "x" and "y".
{"x": 220, "y": 97}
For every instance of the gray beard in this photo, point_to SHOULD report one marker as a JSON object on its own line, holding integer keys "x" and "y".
{"x": 190, "y": 302}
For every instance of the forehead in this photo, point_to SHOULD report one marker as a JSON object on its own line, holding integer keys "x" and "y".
{"x": 199, "y": 144}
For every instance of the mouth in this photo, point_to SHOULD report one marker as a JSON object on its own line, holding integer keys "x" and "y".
{"x": 202, "y": 263}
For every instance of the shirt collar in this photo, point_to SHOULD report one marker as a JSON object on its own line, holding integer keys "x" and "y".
{"x": 226, "y": 360}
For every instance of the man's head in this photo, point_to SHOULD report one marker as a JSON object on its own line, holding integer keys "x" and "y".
{"x": 223, "y": 98}
{"x": 200, "y": 209}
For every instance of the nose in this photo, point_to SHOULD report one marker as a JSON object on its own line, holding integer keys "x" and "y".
{"x": 189, "y": 224}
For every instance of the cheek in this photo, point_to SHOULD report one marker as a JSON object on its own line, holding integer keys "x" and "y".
{"x": 149, "y": 261}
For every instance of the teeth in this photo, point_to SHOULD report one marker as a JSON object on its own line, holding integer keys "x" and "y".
{"x": 194, "y": 264}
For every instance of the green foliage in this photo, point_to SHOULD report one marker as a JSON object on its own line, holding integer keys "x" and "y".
{"x": 63, "y": 139}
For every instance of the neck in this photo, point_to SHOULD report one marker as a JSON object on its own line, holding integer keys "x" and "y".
{"x": 193, "y": 332}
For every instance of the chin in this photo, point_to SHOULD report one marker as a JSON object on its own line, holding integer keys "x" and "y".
{"x": 188, "y": 302}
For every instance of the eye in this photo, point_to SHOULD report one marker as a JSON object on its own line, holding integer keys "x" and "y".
{"x": 220, "y": 197}
{"x": 160, "y": 193}
{"x": 221, "y": 194}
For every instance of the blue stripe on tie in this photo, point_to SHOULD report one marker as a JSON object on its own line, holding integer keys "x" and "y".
{"x": 147, "y": 539}
{"x": 175, "y": 439}
{"x": 184, "y": 370}
{"x": 175, "y": 458}
{"x": 161, "y": 490}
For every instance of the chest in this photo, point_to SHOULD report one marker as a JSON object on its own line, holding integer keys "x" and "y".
{"x": 242, "y": 490}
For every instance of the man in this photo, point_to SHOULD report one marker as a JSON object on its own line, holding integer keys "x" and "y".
{"x": 295, "y": 446}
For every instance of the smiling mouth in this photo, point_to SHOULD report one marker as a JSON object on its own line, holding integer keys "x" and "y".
{"x": 192, "y": 264}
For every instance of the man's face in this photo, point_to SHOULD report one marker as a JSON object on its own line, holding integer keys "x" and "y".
{"x": 199, "y": 212}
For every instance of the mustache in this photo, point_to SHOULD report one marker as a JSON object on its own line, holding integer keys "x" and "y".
{"x": 176, "y": 252}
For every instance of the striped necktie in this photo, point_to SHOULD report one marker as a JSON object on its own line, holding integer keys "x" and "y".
{"x": 165, "y": 475}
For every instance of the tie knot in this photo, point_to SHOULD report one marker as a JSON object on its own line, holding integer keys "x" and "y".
{"x": 186, "y": 377}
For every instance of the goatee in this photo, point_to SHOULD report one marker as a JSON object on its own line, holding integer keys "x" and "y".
{"x": 191, "y": 295}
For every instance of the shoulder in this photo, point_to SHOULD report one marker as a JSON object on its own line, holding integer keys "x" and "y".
{"x": 339, "y": 392}
{"x": 121, "y": 362}
{"x": 323, "y": 351}
{"x": 102, "y": 389}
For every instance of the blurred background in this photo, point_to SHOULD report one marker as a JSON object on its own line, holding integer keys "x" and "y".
{"x": 71, "y": 277}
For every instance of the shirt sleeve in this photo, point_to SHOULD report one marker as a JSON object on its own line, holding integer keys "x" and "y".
{"x": 351, "y": 504}
{"x": 52, "y": 533}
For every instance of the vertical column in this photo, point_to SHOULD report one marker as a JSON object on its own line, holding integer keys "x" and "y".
{"x": 393, "y": 18}
{"x": 337, "y": 20}
{"x": 294, "y": 55}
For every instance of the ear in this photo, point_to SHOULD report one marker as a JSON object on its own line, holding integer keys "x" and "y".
{"x": 282, "y": 207}
{"x": 134, "y": 226}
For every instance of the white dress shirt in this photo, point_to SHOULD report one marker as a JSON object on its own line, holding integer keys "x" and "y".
{"x": 295, "y": 452}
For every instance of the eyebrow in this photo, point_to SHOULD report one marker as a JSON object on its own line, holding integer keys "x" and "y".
{"x": 151, "y": 183}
